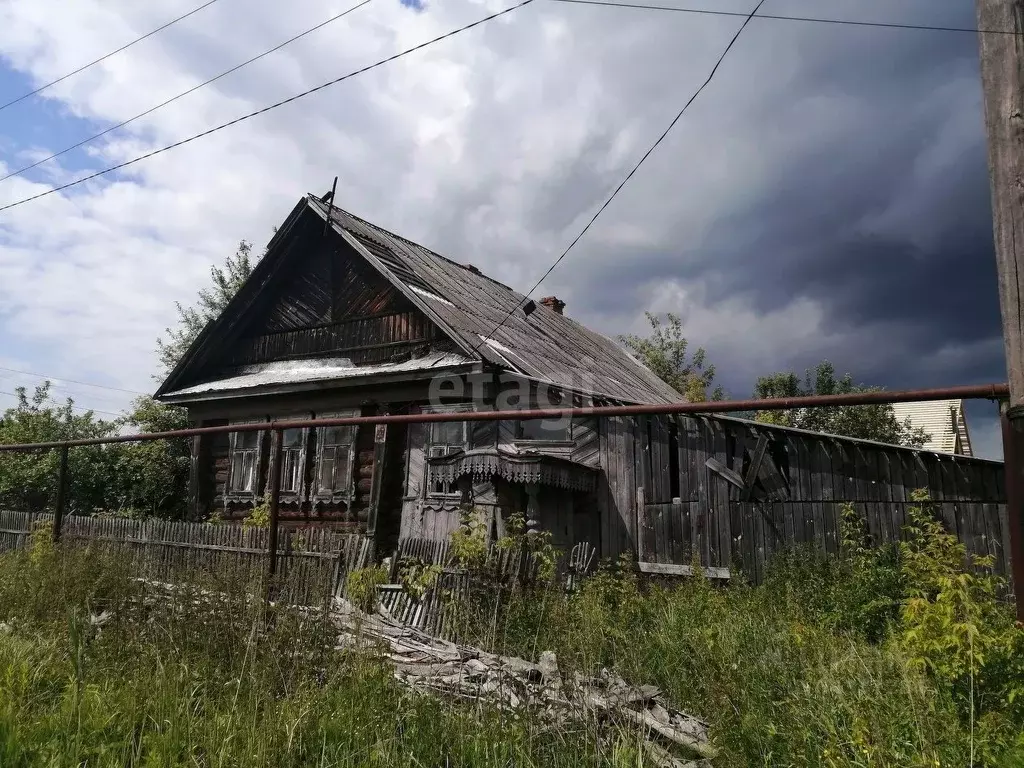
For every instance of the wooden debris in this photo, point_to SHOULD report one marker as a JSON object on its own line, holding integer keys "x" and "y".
{"x": 432, "y": 664}
{"x": 440, "y": 666}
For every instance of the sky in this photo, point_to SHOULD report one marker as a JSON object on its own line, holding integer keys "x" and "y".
{"x": 826, "y": 197}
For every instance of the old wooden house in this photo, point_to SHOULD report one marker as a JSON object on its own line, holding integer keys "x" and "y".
{"x": 341, "y": 317}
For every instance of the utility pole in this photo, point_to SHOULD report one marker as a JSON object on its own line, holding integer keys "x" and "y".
{"x": 1001, "y": 43}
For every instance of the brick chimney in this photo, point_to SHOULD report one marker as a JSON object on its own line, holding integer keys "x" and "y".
{"x": 553, "y": 302}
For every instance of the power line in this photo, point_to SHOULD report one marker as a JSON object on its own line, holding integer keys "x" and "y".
{"x": 76, "y": 407}
{"x": 72, "y": 381}
{"x": 268, "y": 108}
{"x": 203, "y": 84}
{"x": 778, "y": 17}
{"x": 106, "y": 56}
{"x": 636, "y": 167}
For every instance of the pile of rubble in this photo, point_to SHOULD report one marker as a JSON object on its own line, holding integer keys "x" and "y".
{"x": 439, "y": 667}
{"x": 428, "y": 663}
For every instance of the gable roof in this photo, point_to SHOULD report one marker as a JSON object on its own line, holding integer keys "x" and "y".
{"x": 467, "y": 306}
{"x": 943, "y": 420}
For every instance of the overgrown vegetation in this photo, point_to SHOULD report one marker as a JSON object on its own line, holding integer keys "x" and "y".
{"x": 901, "y": 655}
{"x": 893, "y": 656}
{"x": 92, "y": 674}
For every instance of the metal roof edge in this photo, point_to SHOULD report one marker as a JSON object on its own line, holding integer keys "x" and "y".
{"x": 344, "y": 382}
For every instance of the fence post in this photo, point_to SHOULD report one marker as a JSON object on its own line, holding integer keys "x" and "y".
{"x": 276, "y": 455}
{"x": 62, "y": 484}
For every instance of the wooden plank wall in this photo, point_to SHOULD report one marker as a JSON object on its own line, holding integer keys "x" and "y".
{"x": 711, "y": 517}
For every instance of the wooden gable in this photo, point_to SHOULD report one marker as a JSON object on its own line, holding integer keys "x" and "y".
{"x": 312, "y": 296}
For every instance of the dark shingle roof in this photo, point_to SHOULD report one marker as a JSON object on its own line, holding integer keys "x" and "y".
{"x": 545, "y": 345}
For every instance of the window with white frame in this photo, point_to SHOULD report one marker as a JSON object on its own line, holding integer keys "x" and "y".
{"x": 292, "y": 463}
{"x": 335, "y": 457}
{"x": 245, "y": 459}
{"x": 443, "y": 439}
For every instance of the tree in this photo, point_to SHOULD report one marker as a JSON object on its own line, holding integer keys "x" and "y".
{"x": 664, "y": 352}
{"x": 28, "y": 481}
{"x": 870, "y": 422}
{"x": 226, "y": 280}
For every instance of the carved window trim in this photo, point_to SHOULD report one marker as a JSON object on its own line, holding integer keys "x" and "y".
{"x": 295, "y": 460}
{"x": 334, "y": 493}
{"x": 248, "y": 459}
{"x": 433, "y": 448}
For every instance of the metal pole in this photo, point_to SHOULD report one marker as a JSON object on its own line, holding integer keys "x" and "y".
{"x": 1012, "y": 420}
{"x": 62, "y": 484}
{"x": 276, "y": 454}
{"x": 979, "y": 392}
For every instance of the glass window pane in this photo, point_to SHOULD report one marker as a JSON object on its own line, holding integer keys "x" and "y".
{"x": 247, "y": 473}
{"x": 451, "y": 433}
{"x": 247, "y": 440}
{"x": 544, "y": 429}
{"x": 290, "y": 474}
{"x": 341, "y": 471}
{"x": 292, "y": 438}
{"x": 337, "y": 435}
{"x": 326, "y": 469}
{"x": 236, "y": 471}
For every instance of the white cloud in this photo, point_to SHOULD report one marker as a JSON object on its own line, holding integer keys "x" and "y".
{"x": 495, "y": 146}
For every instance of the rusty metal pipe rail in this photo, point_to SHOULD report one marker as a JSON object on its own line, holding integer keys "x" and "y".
{"x": 969, "y": 392}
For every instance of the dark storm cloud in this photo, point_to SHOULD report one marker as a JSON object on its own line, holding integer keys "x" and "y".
{"x": 880, "y": 216}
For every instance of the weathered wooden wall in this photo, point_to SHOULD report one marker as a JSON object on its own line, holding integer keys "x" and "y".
{"x": 804, "y": 482}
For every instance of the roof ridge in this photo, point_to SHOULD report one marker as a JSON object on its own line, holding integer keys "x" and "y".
{"x": 429, "y": 250}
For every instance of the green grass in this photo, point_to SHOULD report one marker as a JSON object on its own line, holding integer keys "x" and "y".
{"x": 214, "y": 683}
{"x": 817, "y": 667}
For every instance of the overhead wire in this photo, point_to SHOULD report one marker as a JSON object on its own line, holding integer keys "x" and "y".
{"x": 267, "y": 108}
{"x": 106, "y": 56}
{"x": 193, "y": 89}
{"x": 781, "y": 17}
{"x": 73, "y": 407}
{"x": 629, "y": 175}
{"x": 72, "y": 381}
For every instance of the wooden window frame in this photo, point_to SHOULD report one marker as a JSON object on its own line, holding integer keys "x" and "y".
{"x": 430, "y": 449}
{"x": 301, "y": 463}
{"x": 333, "y": 494}
{"x": 230, "y": 492}
{"x": 539, "y": 442}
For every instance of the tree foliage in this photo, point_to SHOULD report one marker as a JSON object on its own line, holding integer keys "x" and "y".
{"x": 665, "y": 353}
{"x": 870, "y": 422}
{"x": 28, "y": 480}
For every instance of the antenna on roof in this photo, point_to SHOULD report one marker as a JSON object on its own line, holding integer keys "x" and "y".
{"x": 329, "y": 199}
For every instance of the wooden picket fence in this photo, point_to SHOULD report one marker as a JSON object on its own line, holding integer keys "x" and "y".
{"x": 434, "y": 610}
{"x": 312, "y": 563}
